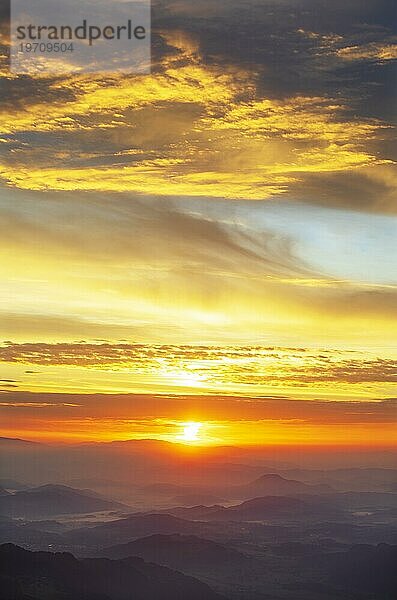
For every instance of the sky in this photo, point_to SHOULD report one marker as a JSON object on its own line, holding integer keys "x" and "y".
{"x": 213, "y": 242}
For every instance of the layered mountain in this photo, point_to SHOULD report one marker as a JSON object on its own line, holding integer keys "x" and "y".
{"x": 182, "y": 552}
{"x": 274, "y": 485}
{"x": 49, "y": 500}
{"x": 348, "y": 479}
{"x": 222, "y": 567}
{"x": 28, "y": 575}
{"x": 16, "y": 442}
{"x": 255, "y": 509}
{"x": 258, "y": 509}
{"x": 37, "y": 535}
{"x": 134, "y": 526}
{"x": 153, "y": 461}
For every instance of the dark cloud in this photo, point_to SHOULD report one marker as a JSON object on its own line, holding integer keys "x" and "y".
{"x": 282, "y": 50}
{"x": 369, "y": 190}
{"x": 292, "y": 43}
{"x": 25, "y": 91}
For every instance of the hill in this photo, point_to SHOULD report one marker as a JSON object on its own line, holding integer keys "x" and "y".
{"x": 222, "y": 568}
{"x": 49, "y": 500}
{"x": 5, "y": 441}
{"x": 258, "y": 509}
{"x": 134, "y": 526}
{"x": 28, "y": 575}
{"x": 348, "y": 479}
{"x": 276, "y": 485}
{"x": 181, "y": 552}
{"x": 255, "y": 509}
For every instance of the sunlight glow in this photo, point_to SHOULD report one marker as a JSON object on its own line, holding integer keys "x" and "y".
{"x": 191, "y": 432}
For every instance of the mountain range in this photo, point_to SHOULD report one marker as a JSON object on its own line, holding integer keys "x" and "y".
{"x": 262, "y": 508}
{"x": 50, "y": 500}
{"x": 28, "y": 575}
{"x": 258, "y": 509}
{"x": 134, "y": 526}
{"x": 220, "y": 566}
{"x": 181, "y": 552}
{"x": 272, "y": 484}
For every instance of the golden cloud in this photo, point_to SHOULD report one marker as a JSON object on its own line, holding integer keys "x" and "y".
{"x": 222, "y": 139}
{"x": 373, "y": 51}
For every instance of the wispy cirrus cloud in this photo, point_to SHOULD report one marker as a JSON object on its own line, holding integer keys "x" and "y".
{"x": 188, "y": 271}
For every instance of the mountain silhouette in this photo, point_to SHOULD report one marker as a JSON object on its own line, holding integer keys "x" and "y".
{"x": 221, "y": 567}
{"x": 181, "y": 552}
{"x": 263, "y": 508}
{"x": 28, "y": 575}
{"x": 134, "y": 526}
{"x": 49, "y": 500}
{"x": 17, "y": 442}
{"x": 275, "y": 485}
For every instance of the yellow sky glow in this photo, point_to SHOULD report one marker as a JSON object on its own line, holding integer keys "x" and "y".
{"x": 188, "y": 255}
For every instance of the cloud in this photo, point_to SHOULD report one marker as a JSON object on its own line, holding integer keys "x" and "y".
{"x": 156, "y": 269}
{"x": 148, "y": 408}
{"x": 138, "y": 225}
{"x": 211, "y": 365}
{"x": 49, "y": 327}
{"x": 36, "y": 405}
{"x": 369, "y": 189}
{"x": 373, "y": 51}
{"x": 192, "y": 128}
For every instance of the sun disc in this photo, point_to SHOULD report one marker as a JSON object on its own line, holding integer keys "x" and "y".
{"x": 191, "y": 432}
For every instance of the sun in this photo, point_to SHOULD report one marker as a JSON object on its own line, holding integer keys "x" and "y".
{"x": 191, "y": 432}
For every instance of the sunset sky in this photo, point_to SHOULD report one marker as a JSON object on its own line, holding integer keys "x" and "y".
{"x": 212, "y": 243}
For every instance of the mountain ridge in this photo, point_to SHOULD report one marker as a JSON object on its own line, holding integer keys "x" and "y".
{"x": 39, "y": 575}
{"x": 53, "y": 499}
